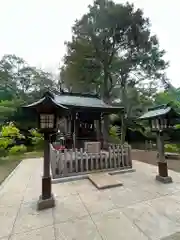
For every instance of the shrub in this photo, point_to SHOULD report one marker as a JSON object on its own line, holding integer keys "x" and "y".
{"x": 8, "y": 136}
{"x": 36, "y": 139}
{"x": 172, "y": 148}
{"x": 11, "y": 131}
{"x": 114, "y": 133}
{"x": 18, "y": 149}
{"x": 4, "y": 143}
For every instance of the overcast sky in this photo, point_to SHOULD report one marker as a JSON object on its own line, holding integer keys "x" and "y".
{"x": 36, "y": 29}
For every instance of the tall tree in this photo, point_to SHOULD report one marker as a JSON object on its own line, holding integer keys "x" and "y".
{"x": 19, "y": 78}
{"x": 20, "y": 83}
{"x": 171, "y": 95}
{"x": 117, "y": 47}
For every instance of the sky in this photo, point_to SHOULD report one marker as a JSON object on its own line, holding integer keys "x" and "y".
{"x": 37, "y": 29}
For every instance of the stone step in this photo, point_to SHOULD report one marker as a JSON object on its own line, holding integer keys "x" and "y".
{"x": 104, "y": 180}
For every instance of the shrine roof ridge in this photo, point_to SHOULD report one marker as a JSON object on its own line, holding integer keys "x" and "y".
{"x": 160, "y": 111}
{"x": 81, "y": 101}
{"x": 75, "y": 94}
{"x": 78, "y": 94}
{"x": 162, "y": 106}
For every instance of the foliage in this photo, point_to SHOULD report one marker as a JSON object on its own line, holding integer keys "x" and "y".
{"x": 20, "y": 84}
{"x": 171, "y": 96}
{"x": 11, "y": 131}
{"x": 115, "y": 43}
{"x": 174, "y": 148}
{"x": 17, "y": 149}
{"x": 37, "y": 139}
{"x": 18, "y": 77}
{"x": 8, "y": 136}
{"x": 177, "y": 126}
{"x": 113, "y": 52}
{"x": 114, "y": 132}
{"x": 4, "y": 143}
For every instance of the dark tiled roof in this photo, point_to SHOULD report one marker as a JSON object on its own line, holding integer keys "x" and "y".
{"x": 155, "y": 113}
{"x": 158, "y": 111}
{"x": 76, "y": 100}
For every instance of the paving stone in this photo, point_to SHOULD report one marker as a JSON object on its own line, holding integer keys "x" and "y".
{"x": 154, "y": 224}
{"x": 63, "y": 189}
{"x": 32, "y": 194}
{"x": 149, "y": 208}
{"x": 97, "y": 201}
{"x": 162, "y": 206}
{"x": 70, "y": 207}
{"x": 7, "y": 218}
{"x": 115, "y": 225}
{"x": 46, "y": 233}
{"x": 122, "y": 197}
{"x": 176, "y": 196}
{"x": 175, "y": 236}
{"x": 83, "y": 185}
{"x": 11, "y": 199}
{"x": 104, "y": 180}
{"x": 80, "y": 229}
{"x": 29, "y": 218}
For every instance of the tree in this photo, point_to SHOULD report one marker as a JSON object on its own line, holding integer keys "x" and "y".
{"x": 77, "y": 72}
{"x": 18, "y": 78}
{"x": 8, "y": 109}
{"x": 20, "y": 84}
{"x": 171, "y": 95}
{"x": 114, "y": 42}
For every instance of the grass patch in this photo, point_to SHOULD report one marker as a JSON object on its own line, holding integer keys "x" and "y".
{"x": 7, "y": 164}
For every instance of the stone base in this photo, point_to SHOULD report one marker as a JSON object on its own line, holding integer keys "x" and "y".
{"x": 47, "y": 203}
{"x": 164, "y": 179}
{"x": 104, "y": 180}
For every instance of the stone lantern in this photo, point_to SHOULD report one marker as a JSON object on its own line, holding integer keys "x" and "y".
{"x": 47, "y": 111}
{"x": 161, "y": 120}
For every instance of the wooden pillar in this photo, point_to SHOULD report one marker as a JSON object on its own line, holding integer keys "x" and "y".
{"x": 74, "y": 130}
{"x": 105, "y": 130}
{"x": 69, "y": 124}
{"x": 162, "y": 163}
{"x": 46, "y": 185}
{"x": 65, "y": 125}
{"x": 74, "y": 133}
{"x": 98, "y": 129}
{"x": 46, "y": 200}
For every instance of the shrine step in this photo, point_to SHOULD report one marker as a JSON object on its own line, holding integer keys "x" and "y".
{"x": 104, "y": 180}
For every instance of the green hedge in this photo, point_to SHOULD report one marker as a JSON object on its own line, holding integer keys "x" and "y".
{"x": 174, "y": 148}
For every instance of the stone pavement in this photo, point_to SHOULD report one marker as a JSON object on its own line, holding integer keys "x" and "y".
{"x": 140, "y": 209}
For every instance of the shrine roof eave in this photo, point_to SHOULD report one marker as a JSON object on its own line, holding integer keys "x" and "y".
{"x": 43, "y": 101}
{"x": 74, "y": 102}
{"x": 84, "y": 101}
{"x": 160, "y": 112}
{"x": 109, "y": 109}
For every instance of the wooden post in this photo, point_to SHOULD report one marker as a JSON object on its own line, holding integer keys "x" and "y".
{"x": 162, "y": 163}
{"x": 46, "y": 200}
{"x": 98, "y": 129}
{"x": 69, "y": 125}
{"x": 74, "y": 132}
{"x": 105, "y": 130}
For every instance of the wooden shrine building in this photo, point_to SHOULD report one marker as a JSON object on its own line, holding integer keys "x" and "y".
{"x": 79, "y": 115}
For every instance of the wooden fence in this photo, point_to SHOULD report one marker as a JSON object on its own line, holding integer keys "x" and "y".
{"x": 68, "y": 162}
